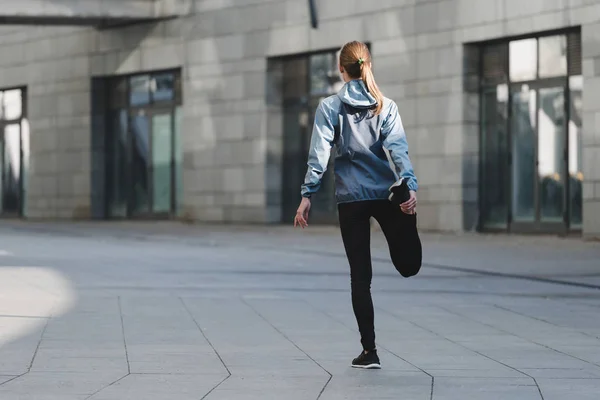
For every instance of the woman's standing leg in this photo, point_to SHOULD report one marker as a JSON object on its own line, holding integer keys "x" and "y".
{"x": 401, "y": 233}
{"x": 356, "y": 234}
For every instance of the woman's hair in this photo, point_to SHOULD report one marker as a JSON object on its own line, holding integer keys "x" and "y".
{"x": 355, "y": 58}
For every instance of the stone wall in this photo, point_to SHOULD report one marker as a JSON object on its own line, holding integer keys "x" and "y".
{"x": 223, "y": 46}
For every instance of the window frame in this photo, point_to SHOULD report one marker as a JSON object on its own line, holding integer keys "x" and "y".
{"x": 484, "y": 86}
{"x": 151, "y": 108}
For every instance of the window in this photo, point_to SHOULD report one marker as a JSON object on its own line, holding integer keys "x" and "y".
{"x": 142, "y": 145}
{"x": 531, "y": 133}
{"x": 14, "y": 151}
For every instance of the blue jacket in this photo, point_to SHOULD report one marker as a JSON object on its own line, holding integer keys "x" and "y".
{"x": 362, "y": 168}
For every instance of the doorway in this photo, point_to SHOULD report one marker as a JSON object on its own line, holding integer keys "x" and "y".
{"x": 143, "y": 152}
{"x": 153, "y": 168}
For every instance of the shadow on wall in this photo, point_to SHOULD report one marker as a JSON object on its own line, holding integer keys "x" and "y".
{"x": 224, "y": 131}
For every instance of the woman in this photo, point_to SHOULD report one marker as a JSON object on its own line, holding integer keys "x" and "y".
{"x": 364, "y": 126}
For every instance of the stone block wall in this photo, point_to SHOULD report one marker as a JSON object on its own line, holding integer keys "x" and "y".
{"x": 223, "y": 47}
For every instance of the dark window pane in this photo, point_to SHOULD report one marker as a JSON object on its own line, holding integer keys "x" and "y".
{"x": 574, "y": 51}
{"x": 295, "y": 131}
{"x": 575, "y": 151}
{"x": 494, "y": 158}
{"x": 495, "y": 63}
{"x": 139, "y": 87}
{"x": 117, "y": 93}
{"x": 471, "y": 68}
{"x": 118, "y": 149}
{"x": 523, "y": 127}
{"x": 553, "y": 56}
{"x": 295, "y": 76}
{"x": 163, "y": 87}
{"x": 275, "y": 82}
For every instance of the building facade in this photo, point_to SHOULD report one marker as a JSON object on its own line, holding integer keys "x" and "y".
{"x": 202, "y": 110}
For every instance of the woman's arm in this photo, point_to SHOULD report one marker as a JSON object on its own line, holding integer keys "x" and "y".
{"x": 395, "y": 141}
{"x": 320, "y": 149}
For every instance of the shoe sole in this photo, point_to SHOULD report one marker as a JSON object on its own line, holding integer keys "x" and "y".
{"x": 369, "y": 366}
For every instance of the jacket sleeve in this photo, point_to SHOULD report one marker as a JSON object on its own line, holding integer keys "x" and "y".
{"x": 395, "y": 142}
{"x": 320, "y": 150}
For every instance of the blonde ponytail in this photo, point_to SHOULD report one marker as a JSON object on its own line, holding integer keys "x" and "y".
{"x": 355, "y": 58}
{"x": 366, "y": 74}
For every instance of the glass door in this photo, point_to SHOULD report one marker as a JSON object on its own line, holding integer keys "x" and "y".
{"x": 538, "y": 168}
{"x": 161, "y": 166}
{"x": 152, "y": 188}
{"x": 523, "y": 129}
{"x": 494, "y": 158}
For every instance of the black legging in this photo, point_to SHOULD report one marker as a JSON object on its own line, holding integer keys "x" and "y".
{"x": 399, "y": 229}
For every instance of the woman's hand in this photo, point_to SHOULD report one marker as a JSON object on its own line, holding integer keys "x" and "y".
{"x": 408, "y": 207}
{"x": 301, "y": 218}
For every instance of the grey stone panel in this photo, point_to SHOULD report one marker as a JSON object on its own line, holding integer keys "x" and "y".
{"x": 73, "y": 12}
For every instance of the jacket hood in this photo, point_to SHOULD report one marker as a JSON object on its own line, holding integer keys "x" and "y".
{"x": 355, "y": 94}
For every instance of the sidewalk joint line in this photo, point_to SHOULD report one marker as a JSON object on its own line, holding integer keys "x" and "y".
{"x": 229, "y": 374}
{"x": 107, "y": 386}
{"x": 123, "y": 334}
{"x": 541, "y": 344}
{"x": 37, "y": 348}
{"x": 378, "y": 344}
{"x": 463, "y": 346}
{"x": 294, "y": 344}
{"x": 14, "y": 377}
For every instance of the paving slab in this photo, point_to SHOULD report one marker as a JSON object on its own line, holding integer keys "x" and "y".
{"x": 160, "y": 387}
{"x": 485, "y": 389}
{"x": 51, "y": 385}
{"x": 579, "y": 389}
{"x": 155, "y": 311}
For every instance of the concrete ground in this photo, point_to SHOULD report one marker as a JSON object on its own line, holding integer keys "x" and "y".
{"x": 148, "y": 311}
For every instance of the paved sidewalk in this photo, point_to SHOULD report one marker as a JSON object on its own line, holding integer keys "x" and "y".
{"x": 108, "y": 311}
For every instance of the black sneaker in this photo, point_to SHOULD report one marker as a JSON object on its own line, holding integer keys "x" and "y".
{"x": 367, "y": 360}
